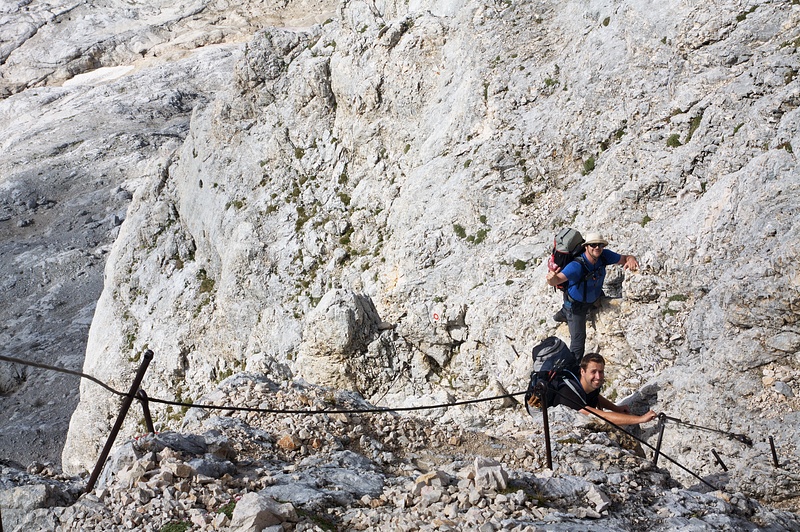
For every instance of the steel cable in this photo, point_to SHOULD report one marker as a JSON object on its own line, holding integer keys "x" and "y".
{"x": 259, "y": 410}
{"x": 341, "y": 410}
{"x": 61, "y": 370}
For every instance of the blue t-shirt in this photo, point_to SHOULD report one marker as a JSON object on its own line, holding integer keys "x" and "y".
{"x": 574, "y": 272}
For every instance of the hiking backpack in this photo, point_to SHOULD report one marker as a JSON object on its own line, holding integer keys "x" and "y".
{"x": 552, "y": 363}
{"x": 567, "y": 246}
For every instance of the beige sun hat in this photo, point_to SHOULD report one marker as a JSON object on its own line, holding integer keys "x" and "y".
{"x": 595, "y": 238}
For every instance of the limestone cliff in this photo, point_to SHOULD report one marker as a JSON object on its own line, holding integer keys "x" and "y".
{"x": 366, "y": 201}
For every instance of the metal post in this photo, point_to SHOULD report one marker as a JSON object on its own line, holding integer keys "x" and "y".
{"x": 719, "y": 460}
{"x": 661, "y": 423}
{"x": 541, "y": 390}
{"x": 126, "y": 404}
{"x": 771, "y": 444}
{"x": 148, "y": 419}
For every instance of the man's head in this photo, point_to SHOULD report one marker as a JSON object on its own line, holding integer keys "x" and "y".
{"x": 592, "y": 372}
{"x": 594, "y": 244}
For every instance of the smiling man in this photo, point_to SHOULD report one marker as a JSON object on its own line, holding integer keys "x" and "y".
{"x": 585, "y": 397}
{"x": 584, "y": 277}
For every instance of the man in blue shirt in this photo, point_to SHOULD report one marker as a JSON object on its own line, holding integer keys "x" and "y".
{"x": 584, "y": 277}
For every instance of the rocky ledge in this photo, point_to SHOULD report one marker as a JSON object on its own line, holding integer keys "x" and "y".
{"x": 337, "y": 469}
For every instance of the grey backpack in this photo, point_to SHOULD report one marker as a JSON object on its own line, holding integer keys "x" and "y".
{"x": 552, "y": 363}
{"x": 567, "y": 246}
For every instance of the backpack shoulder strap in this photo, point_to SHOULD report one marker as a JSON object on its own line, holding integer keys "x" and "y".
{"x": 573, "y": 383}
{"x": 586, "y": 271}
{"x": 585, "y": 267}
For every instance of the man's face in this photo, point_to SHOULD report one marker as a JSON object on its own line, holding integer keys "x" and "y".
{"x": 593, "y": 376}
{"x": 594, "y": 250}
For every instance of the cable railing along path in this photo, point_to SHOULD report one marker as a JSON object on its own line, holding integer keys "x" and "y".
{"x": 136, "y": 392}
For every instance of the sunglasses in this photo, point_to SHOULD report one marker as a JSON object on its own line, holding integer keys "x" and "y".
{"x": 596, "y": 245}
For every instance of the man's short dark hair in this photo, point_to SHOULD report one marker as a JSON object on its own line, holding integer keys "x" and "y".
{"x": 592, "y": 357}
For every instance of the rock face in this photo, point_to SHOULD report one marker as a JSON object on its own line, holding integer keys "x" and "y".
{"x": 341, "y": 347}
{"x": 96, "y": 98}
{"x": 72, "y": 157}
{"x": 363, "y": 195}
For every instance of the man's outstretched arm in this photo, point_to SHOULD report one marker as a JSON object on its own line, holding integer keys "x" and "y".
{"x": 605, "y": 404}
{"x": 619, "y": 418}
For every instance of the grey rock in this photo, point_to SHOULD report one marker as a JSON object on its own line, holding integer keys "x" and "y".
{"x": 190, "y": 444}
{"x": 31, "y": 497}
{"x": 37, "y": 519}
{"x": 120, "y": 458}
{"x": 783, "y": 389}
{"x": 490, "y": 474}
{"x": 255, "y": 512}
{"x": 598, "y": 498}
{"x": 211, "y": 466}
{"x": 298, "y": 493}
{"x": 339, "y": 329}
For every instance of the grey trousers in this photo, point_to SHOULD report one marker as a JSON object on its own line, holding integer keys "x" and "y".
{"x": 577, "y": 314}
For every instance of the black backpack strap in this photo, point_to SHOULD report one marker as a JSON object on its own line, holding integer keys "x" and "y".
{"x": 587, "y": 271}
{"x": 575, "y": 386}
